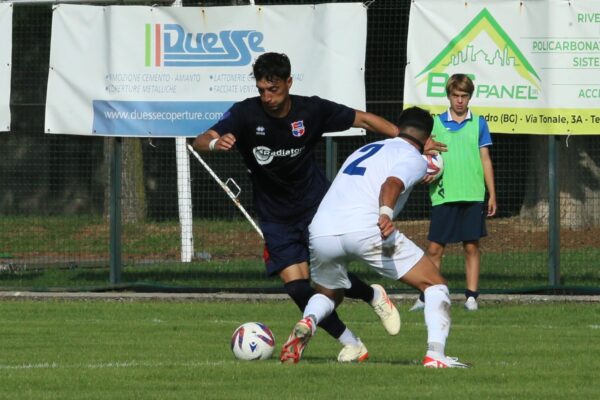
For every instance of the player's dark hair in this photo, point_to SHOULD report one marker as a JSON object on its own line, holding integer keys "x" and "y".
{"x": 272, "y": 66}
{"x": 415, "y": 117}
{"x": 460, "y": 82}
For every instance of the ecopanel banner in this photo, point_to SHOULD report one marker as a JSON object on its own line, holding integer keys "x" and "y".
{"x": 5, "y": 64}
{"x": 173, "y": 71}
{"x": 535, "y": 64}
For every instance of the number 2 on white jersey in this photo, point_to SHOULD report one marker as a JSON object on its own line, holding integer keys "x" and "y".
{"x": 353, "y": 168}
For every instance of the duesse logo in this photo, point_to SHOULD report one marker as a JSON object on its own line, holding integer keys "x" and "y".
{"x": 170, "y": 45}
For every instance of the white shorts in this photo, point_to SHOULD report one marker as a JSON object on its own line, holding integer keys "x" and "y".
{"x": 330, "y": 256}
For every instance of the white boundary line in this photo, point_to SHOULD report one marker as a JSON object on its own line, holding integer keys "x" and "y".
{"x": 115, "y": 364}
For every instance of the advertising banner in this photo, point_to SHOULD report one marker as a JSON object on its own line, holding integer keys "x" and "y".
{"x": 535, "y": 64}
{"x": 5, "y": 64}
{"x": 173, "y": 71}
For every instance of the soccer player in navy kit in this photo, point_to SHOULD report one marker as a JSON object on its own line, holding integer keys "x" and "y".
{"x": 276, "y": 134}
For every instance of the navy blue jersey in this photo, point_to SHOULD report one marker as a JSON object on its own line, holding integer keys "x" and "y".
{"x": 279, "y": 152}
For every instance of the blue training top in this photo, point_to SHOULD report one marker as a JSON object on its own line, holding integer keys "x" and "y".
{"x": 279, "y": 152}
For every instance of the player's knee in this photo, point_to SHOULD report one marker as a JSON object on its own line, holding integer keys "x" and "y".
{"x": 300, "y": 291}
{"x": 471, "y": 248}
{"x": 336, "y": 295}
{"x": 435, "y": 253}
{"x": 430, "y": 280}
{"x": 423, "y": 275}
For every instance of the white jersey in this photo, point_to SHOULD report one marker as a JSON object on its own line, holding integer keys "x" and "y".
{"x": 352, "y": 202}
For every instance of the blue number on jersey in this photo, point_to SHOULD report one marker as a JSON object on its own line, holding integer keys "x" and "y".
{"x": 353, "y": 168}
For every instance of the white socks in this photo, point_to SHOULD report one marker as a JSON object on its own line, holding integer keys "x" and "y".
{"x": 348, "y": 338}
{"x": 319, "y": 306}
{"x": 437, "y": 316}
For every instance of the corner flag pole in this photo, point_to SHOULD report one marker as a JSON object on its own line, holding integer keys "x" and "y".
{"x": 232, "y": 196}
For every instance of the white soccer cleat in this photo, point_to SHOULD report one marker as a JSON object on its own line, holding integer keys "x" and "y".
{"x": 471, "y": 304}
{"x": 387, "y": 311}
{"x": 353, "y": 353}
{"x": 299, "y": 338}
{"x": 437, "y": 361}
{"x": 418, "y": 306}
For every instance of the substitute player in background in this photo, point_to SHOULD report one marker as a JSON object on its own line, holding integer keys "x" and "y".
{"x": 276, "y": 134}
{"x": 459, "y": 211}
{"x": 354, "y": 222}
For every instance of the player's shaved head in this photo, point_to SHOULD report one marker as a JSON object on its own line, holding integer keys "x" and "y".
{"x": 419, "y": 119}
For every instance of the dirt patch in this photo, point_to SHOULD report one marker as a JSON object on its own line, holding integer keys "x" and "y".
{"x": 504, "y": 235}
{"x": 511, "y": 235}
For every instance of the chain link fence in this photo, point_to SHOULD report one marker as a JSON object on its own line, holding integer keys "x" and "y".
{"x": 54, "y": 192}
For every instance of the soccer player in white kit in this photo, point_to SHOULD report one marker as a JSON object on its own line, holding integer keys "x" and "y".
{"x": 354, "y": 222}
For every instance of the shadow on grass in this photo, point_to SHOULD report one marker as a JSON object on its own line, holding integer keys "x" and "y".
{"x": 252, "y": 278}
{"x": 312, "y": 359}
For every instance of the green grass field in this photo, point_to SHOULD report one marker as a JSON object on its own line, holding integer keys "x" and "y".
{"x": 143, "y": 349}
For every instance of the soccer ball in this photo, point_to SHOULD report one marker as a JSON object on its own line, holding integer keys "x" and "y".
{"x": 252, "y": 341}
{"x": 435, "y": 165}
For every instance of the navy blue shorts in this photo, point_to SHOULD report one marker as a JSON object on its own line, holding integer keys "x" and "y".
{"x": 285, "y": 244}
{"x": 457, "y": 222}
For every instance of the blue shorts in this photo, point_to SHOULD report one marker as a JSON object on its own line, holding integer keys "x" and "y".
{"x": 457, "y": 222}
{"x": 285, "y": 244}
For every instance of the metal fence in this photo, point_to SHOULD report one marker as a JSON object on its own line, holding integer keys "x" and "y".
{"x": 55, "y": 190}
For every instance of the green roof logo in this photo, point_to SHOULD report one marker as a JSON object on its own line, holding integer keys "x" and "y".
{"x": 460, "y": 50}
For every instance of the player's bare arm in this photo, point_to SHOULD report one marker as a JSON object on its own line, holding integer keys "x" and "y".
{"x": 375, "y": 123}
{"x": 488, "y": 175}
{"x": 211, "y": 141}
{"x": 388, "y": 195}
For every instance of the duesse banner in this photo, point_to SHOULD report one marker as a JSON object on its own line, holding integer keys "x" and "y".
{"x": 173, "y": 71}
